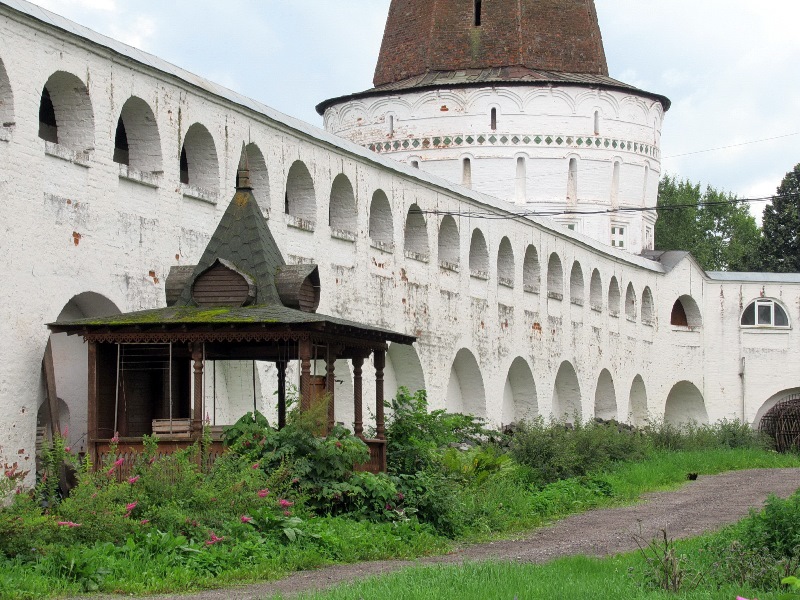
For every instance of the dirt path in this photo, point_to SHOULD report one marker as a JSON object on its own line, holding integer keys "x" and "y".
{"x": 703, "y": 505}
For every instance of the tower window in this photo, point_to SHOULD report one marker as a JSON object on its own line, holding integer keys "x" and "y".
{"x": 477, "y": 13}
{"x": 494, "y": 119}
{"x": 597, "y": 122}
{"x": 184, "y": 167}
{"x": 617, "y": 236}
{"x": 572, "y": 181}
{"x": 466, "y": 175}
{"x": 391, "y": 125}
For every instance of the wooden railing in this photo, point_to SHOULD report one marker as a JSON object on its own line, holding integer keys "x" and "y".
{"x": 377, "y": 457}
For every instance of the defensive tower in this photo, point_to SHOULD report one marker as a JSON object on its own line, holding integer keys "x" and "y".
{"x": 513, "y": 98}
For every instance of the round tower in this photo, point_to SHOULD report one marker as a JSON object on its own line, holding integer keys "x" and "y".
{"x": 513, "y": 98}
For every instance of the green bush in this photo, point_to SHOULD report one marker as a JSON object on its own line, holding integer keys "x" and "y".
{"x": 726, "y": 433}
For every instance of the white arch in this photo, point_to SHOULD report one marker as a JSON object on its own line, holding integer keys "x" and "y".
{"x": 772, "y": 401}
{"x": 637, "y": 402}
{"x": 519, "y": 393}
{"x": 555, "y": 276}
{"x": 381, "y": 221}
{"x": 465, "y": 390}
{"x": 403, "y": 369}
{"x": 576, "y": 285}
{"x": 630, "y": 302}
{"x": 478, "y": 254}
{"x": 566, "y": 394}
{"x": 142, "y": 149}
{"x": 613, "y": 296}
{"x": 342, "y": 206}
{"x": 416, "y": 232}
{"x": 605, "y": 397}
{"x": 300, "y": 199}
{"x": 505, "y": 263}
{"x": 648, "y": 308}
{"x": 199, "y": 159}
{"x": 72, "y": 108}
{"x": 685, "y": 404}
{"x": 449, "y": 250}
{"x": 531, "y": 270}
{"x": 6, "y": 99}
{"x": 259, "y": 177}
{"x": 596, "y": 291}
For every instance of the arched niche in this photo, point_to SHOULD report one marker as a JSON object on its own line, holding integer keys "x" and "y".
{"x": 403, "y": 369}
{"x": 259, "y": 176}
{"x": 576, "y": 285}
{"x": 685, "y": 405}
{"x": 70, "y": 362}
{"x": 342, "y": 207}
{"x": 519, "y": 393}
{"x": 478, "y": 254}
{"x": 555, "y": 277}
{"x": 465, "y": 390}
{"x": 648, "y": 307}
{"x": 566, "y": 394}
{"x": 630, "y": 302}
{"x": 6, "y": 99}
{"x": 771, "y": 402}
{"x": 199, "y": 165}
{"x": 596, "y": 291}
{"x": 137, "y": 143}
{"x": 505, "y": 263}
{"x": 300, "y": 200}
{"x": 685, "y": 312}
{"x": 416, "y": 233}
{"x": 381, "y": 222}
{"x": 66, "y": 116}
{"x": 613, "y": 297}
{"x": 449, "y": 245}
{"x": 531, "y": 271}
{"x": 637, "y": 402}
{"x": 605, "y": 397}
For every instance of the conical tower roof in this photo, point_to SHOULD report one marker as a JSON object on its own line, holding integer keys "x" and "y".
{"x": 424, "y": 36}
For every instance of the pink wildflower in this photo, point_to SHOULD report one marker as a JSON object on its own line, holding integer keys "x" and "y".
{"x": 67, "y": 449}
{"x": 119, "y": 462}
{"x": 287, "y": 513}
{"x": 66, "y": 432}
{"x": 214, "y": 539}
{"x": 246, "y": 519}
{"x": 110, "y": 471}
{"x": 131, "y": 506}
{"x": 133, "y": 480}
{"x": 285, "y": 503}
{"x": 68, "y": 524}
{"x": 144, "y": 521}
{"x": 115, "y": 439}
{"x": 295, "y": 481}
{"x": 255, "y": 466}
{"x": 263, "y": 493}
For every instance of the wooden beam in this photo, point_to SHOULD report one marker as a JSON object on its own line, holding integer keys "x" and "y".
{"x": 52, "y": 396}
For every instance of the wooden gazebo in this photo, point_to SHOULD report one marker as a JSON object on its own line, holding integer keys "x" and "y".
{"x": 240, "y": 302}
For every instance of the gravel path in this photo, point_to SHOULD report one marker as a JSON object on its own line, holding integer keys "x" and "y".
{"x": 700, "y": 506}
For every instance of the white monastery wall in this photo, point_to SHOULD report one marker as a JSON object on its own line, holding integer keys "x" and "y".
{"x": 515, "y": 317}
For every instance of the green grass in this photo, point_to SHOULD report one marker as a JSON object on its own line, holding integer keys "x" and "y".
{"x": 578, "y": 578}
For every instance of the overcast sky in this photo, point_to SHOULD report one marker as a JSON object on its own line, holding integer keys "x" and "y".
{"x": 729, "y": 66}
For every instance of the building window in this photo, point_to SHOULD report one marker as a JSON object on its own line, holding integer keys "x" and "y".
{"x": 571, "y": 226}
{"x": 617, "y": 236}
{"x": 764, "y": 313}
{"x": 121, "y": 148}
{"x": 477, "y": 13}
{"x": 493, "y": 119}
{"x": 521, "y": 180}
{"x": 572, "y": 180}
{"x": 391, "y": 125}
{"x": 648, "y": 238}
{"x": 415, "y": 164}
{"x": 48, "y": 127}
{"x": 597, "y": 122}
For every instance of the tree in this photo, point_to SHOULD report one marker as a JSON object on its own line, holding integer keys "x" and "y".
{"x": 780, "y": 245}
{"x": 716, "y": 227}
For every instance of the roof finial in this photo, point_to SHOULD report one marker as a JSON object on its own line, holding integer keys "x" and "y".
{"x": 243, "y": 172}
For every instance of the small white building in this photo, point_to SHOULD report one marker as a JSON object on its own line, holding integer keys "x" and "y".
{"x": 116, "y": 166}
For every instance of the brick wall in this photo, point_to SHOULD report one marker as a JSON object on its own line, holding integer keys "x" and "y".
{"x": 441, "y": 35}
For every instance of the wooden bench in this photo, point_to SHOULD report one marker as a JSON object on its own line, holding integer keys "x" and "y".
{"x": 175, "y": 428}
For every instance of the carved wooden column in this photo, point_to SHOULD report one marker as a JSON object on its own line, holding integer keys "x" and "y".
{"x": 92, "y": 402}
{"x": 380, "y": 365}
{"x": 330, "y": 384}
{"x": 358, "y": 422}
{"x": 281, "y": 364}
{"x": 197, "y": 417}
{"x": 304, "y": 352}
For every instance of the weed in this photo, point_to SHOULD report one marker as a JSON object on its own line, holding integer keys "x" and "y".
{"x": 665, "y": 568}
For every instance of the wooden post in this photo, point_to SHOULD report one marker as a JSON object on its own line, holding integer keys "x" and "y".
{"x": 330, "y": 384}
{"x": 197, "y": 417}
{"x": 358, "y": 423}
{"x": 380, "y": 364}
{"x": 304, "y": 352}
{"x": 92, "y": 389}
{"x": 281, "y": 364}
{"x": 52, "y": 395}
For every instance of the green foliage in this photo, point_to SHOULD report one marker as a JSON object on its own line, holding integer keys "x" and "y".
{"x": 553, "y": 451}
{"x": 665, "y": 568}
{"x": 414, "y": 436}
{"x": 780, "y": 245}
{"x": 776, "y": 527}
{"x": 725, "y": 433}
{"x": 721, "y": 237}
